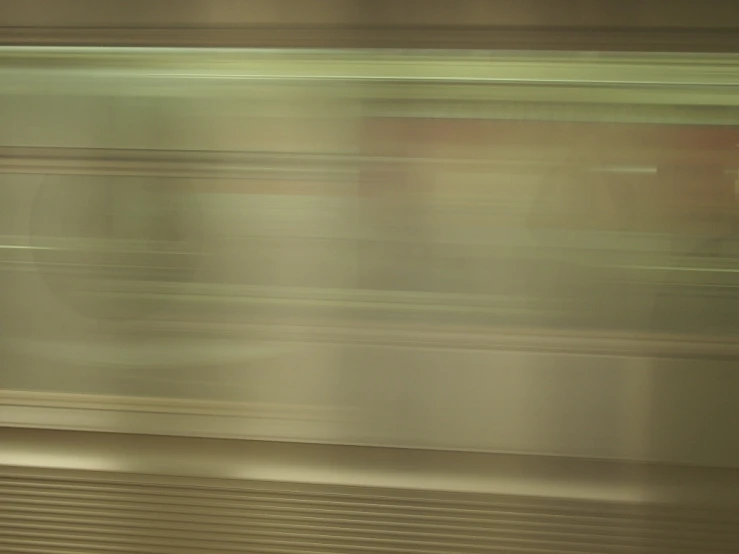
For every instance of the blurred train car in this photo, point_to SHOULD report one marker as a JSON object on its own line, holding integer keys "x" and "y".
{"x": 447, "y": 300}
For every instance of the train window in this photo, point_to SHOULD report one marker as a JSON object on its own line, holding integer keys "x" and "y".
{"x": 493, "y": 191}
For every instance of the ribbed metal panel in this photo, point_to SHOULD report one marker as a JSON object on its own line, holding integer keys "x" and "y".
{"x": 66, "y": 512}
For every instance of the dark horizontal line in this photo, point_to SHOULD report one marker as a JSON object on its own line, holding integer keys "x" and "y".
{"x": 404, "y": 28}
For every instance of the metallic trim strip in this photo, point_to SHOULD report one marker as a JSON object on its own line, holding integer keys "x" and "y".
{"x": 281, "y": 169}
{"x": 184, "y": 164}
{"x": 429, "y": 37}
{"x": 381, "y": 66}
{"x": 39, "y": 452}
{"x": 172, "y": 417}
{"x": 170, "y": 406}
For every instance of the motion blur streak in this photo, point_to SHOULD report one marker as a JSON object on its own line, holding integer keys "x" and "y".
{"x": 447, "y": 302}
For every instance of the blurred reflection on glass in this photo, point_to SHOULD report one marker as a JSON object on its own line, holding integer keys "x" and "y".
{"x": 176, "y": 227}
